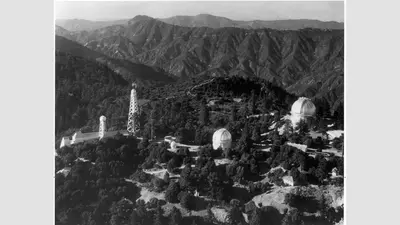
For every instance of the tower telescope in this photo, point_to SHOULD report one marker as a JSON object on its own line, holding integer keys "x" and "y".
{"x": 133, "y": 116}
{"x": 102, "y": 127}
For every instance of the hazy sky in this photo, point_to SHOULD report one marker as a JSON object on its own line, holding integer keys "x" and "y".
{"x": 236, "y": 10}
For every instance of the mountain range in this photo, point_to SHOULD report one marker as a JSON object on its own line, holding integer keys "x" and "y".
{"x": 308, "y": 62}
{"x": 206, "y": 20}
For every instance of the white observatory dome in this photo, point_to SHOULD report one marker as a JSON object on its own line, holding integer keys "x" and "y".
{"x": 303, "y": 107}
{"x": 222, "y": 138}
{"x": 102, "y": 118}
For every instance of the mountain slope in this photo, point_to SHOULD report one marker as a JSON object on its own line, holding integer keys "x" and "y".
{"x": 80, "y": 24}
{"x": 206, "y": 20}
{"x": 65, "y": 45}
{"x": 128, "y": 70}
{"x": 60, "y": 31}
{"x": 306, "y": 62}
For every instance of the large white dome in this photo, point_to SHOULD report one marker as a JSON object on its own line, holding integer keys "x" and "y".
{"x": 303, "y": 107}
{"x": 222, "y": 138}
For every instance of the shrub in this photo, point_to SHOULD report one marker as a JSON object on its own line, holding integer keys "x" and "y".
{"x": 249, "y": 207}
{"x": 235, "y": 203}
{"x": 141, "y": 176}
{"x": 158, "y": 183}
{"x": 147, "y": 165}
{"x": 187, "y": 200}
{"x": 152, "y": 203}
{"x": 173, "y": 190}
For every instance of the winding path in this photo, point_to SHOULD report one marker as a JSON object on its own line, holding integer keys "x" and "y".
{"x": 189, "y": 92}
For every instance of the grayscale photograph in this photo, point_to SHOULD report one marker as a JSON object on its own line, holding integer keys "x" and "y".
{"x": 199, "y": 113}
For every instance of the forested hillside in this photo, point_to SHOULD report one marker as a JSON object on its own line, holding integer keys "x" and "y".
{"x": 85, "y": 90}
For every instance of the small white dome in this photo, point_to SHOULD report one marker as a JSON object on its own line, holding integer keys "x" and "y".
{"x": 222, "y": 138}
{"x": 102, "y": 118}
{"x": 303, "y": 107}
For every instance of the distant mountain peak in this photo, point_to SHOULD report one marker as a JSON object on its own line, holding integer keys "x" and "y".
{"x": 142, "y": 17}
{"x": 139, "y": 18}
{"x": 207, "y": 15}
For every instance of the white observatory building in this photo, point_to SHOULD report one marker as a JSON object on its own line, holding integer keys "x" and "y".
{"x": 302, "y": 109}
{"x": 222, "y": 138}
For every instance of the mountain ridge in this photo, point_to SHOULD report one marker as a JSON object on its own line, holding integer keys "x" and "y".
{"x": 82, "y": 24}
{"x": 206, "y": 20}
{"x": 212, "y": 21}
{"x": 305, "y": 62}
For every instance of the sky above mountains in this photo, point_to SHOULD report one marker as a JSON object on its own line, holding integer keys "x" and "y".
{"x": 235, "y": 10}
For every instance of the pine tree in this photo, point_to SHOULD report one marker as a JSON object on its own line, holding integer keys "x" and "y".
{"x": 152, "y": 121}
{"x": 233, "y": 113}
{"x": 234, "y": 215}
{"x": 194, "y": 222}
{"x": 173, "y": 112}
{"x": 302, "y": 127}
{"x": 288, "y": 128}
{"x": 175, "y": 217}
{"x": 255, "y": 217}
{"x": 158, "y": 216}
{"x": 245, "y": 131}
{"x": 166, "y": 178}
{"x": 171, "y": 195}
{"x": 210, "y": 215}
{"x": 252, "y": 106}
{"x": 144, "y": 143}
{"x": 277, "y": 116}
{"x": 228, "y": 153}
{"x": 134, "y": 220}
{"x": 256, "y": 136}
{"x": 266, "y": 104}
{"x": 292, "y": 217}
{"x": 143, "y": 216}
{"x": 198, "y": 138}
{"x": 204, "y": 114}
{"x": 115, "y": 220}
{"x": 186, "y": 200}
